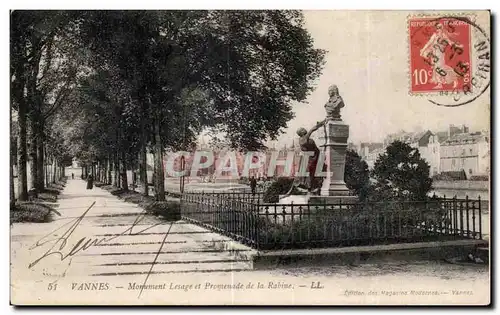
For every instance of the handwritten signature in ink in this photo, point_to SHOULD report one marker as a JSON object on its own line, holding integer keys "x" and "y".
{"x": 61, "y": 247}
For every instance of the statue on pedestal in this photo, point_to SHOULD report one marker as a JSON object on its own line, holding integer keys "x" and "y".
{"x": 336, "y": 172}
{"x": 332, "y": 188}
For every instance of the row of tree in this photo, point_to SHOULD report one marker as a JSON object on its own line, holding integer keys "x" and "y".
{"x": 106, "y": 87}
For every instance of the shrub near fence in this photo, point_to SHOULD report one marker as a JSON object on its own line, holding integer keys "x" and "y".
{"x": 277, "y": 226}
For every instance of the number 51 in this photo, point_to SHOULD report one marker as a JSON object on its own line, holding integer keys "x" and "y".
{"x": 52, "y": 286}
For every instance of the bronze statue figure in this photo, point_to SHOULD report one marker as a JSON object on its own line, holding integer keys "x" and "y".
{"x": 309, "y": 145}
{"x": 334, "y": 104}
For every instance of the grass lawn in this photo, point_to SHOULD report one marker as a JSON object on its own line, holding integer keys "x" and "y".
{"x": 40, "y": 207}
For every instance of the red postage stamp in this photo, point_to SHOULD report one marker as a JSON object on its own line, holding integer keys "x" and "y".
{"x": 440, "y": 55}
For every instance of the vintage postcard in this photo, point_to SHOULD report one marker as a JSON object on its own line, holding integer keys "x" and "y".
{"x": 250, "y": 157}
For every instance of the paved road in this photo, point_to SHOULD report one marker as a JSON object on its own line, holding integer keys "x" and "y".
{"x": 189, "y": 271}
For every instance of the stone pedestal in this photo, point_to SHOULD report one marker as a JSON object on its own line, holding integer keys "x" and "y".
{"x": 334, "y": 189}
{"x": 336, "y": 137}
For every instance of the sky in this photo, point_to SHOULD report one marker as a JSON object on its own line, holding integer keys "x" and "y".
{"x": 368, "y": 60}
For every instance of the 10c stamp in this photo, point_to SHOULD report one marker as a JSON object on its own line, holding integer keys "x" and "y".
{"x": 440, "y": 55}
{"x": 449, "y": 59}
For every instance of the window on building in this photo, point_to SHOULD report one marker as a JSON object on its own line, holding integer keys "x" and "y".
{"x": 471, "y": 151}
{"x": 433, "y": 150}
{"x": 463, "y": 152}
{"x": 470, "y": 171}
{"x": 452, "y": 162}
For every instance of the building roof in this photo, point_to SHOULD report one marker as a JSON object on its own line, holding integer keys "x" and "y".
{"x": 463, "y": 138}
{"x": 442, "y": 136}
{"x": 372, "y": 145}
{"x": 419, "y": 137}
{"x": 452, "y": 175}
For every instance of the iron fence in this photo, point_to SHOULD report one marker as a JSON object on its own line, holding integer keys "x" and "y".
{"x": 236, "y": 195}
{"x": 245, "y": 218}
{"x": 224, "y": 214}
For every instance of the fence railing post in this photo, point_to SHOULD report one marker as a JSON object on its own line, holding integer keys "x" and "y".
{"x": 292, "y": 232}
{"x": 266, "y": 225}
{"x": 455, "y": 221}
{"x": 474, "y": 224}
{"x": 467, "y": 215}
{"x": 256, "y": 228}
{"x": 460, "y": 232}
{"x": 385, "y": 219}
{"x": 480, "y": 218}
{"x": 445, "y": 206}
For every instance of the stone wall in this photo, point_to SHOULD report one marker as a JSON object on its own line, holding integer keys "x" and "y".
{"x": 461, "y": 184}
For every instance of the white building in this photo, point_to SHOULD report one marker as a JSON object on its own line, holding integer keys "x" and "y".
{"x": 428, "y": 145}
{"x": 75, "y": 163}
{"x": 468, "y": 152}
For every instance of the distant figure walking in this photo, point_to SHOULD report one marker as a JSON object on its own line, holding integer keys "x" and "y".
{"x": 253, "y": 185}
{"x": 90, "y": 182}
{"x": 72, "y": 176}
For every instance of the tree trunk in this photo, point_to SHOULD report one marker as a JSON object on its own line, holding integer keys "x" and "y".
{"x": 116, "y": 166}
{"x": 111, "y": 170}
{"x": 110, "y": 165}
{"x": 40, "y": 163}
{"x": 124, "y": 172}
{"x": 11, "y": 184}
{"x": 143, "y": 174}
{"x": 158, "y": 156}
{"x": 33, "y": 156}
{"x": 11, "y": 169}
{"x": 47, "y": 168}
{"x": 13, "y": 148}
{"x": 106, "y": 171}
{"x": 54, "y": 170}
{"x": 102, "y": 172}
{"x": 45, "y": 173}
{"x": 22, "y": 157}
